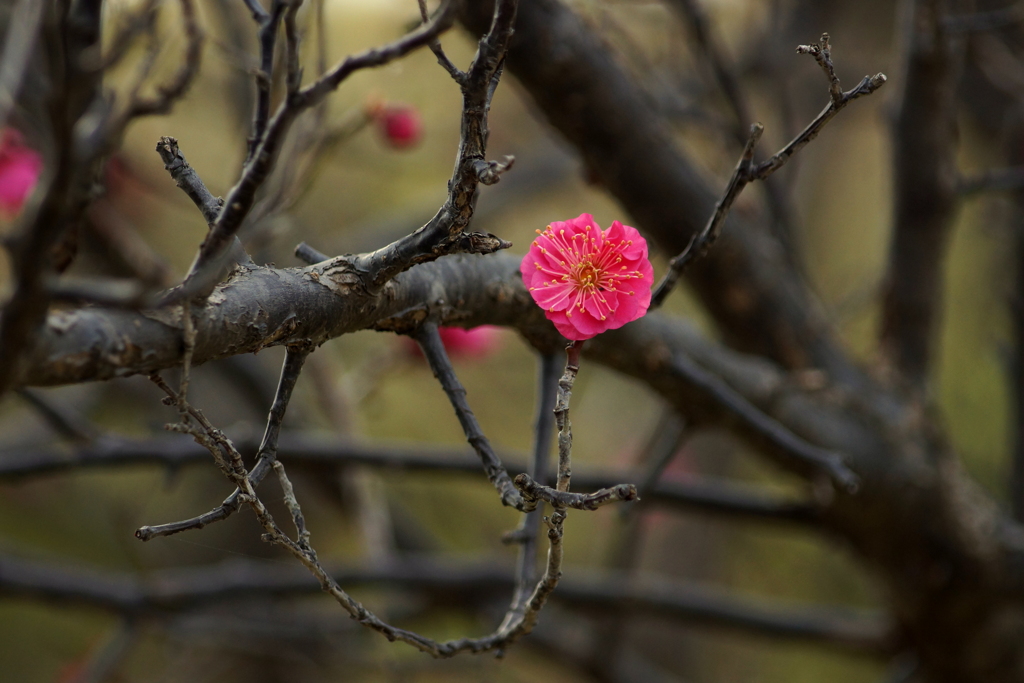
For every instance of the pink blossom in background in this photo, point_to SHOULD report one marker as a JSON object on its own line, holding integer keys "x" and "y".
{"x": 588, "y": 280}
{"x": 399, "y": 124}
{"x": 476, "y": 342}
{"x": 20, "y": 167}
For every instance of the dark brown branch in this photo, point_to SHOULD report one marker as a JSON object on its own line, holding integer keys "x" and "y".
{"x": 269, "y": 22}
{"x": 746, "y": 171}
{"x": 925, "y": 195}
{"x": 229, "y": 460}
{"x": 301, "y": 305}
{"x": 433, "y": 350}
{"x": 572, "y": 366}
{"x": 176, "y": 590}
{"x": 701, "y": 242}
{"x": 702, "y": 495}
{"x": 805, "y": 455}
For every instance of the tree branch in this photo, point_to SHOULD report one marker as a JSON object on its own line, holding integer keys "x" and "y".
{"x": 266, "y": 454}
{"x": 175, "y": 590}
{"x": 429, "y": 339}
{"x": 704, "y": 494}
{"x": 924, "y": 143}
{"x": 746, "y": 171}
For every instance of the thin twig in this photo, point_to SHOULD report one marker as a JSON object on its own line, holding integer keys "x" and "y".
{"x": 230, "y": 462}
{"x": 746, "y": 171}
{"x": 533, "y": 492}
{"x": 543, "y": 430}
{"x": 266, "y": 454}
{"x": 435, "y": 46}
{"x": 430, "y": 342}
{"x": 445, "y": 233}
{"x": 268, "y": 23}
{"x": 186, "y": 178}
{"x": 572, "y": 366}
{"x": 701, "y": 242}
{"x": 310, "y": 255}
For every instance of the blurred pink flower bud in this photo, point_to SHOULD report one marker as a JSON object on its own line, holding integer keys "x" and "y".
{"x": 586, "y": 279}
{"x": 20, "y": 167}
{"x": 399, "y": 124}
{"x": 477, "y": 342}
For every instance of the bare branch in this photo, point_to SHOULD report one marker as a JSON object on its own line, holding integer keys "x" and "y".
{"x": 805, "y": 454}
{"x": 310, "y": 255}
{"x": 266, "y": 454}
{"x": 269, "y": 22}
{"x": 187, "y": 179}
{"x": 543, "y": 430}
{"x": 701, "y": 242}
{"x": 925, "y": 203}
{"x": 746, "y": 171}
{"x": 173, "y": 590}
{"x": 457, "y": 74}
{"x": 705, "y": 494}
{"x": 433, "y": 350}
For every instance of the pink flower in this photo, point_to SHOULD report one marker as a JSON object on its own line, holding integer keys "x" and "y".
{"x": 20, "y": 167}
{"x": 588, "y": 280}
{"x": 400, "y": 124}
{"x": 476, "y": 342}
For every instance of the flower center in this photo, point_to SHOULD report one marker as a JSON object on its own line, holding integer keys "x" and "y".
{"x": 587, "y": 275}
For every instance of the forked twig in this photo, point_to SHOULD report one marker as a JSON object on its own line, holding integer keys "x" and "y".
{"x": 746, "y": 171}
